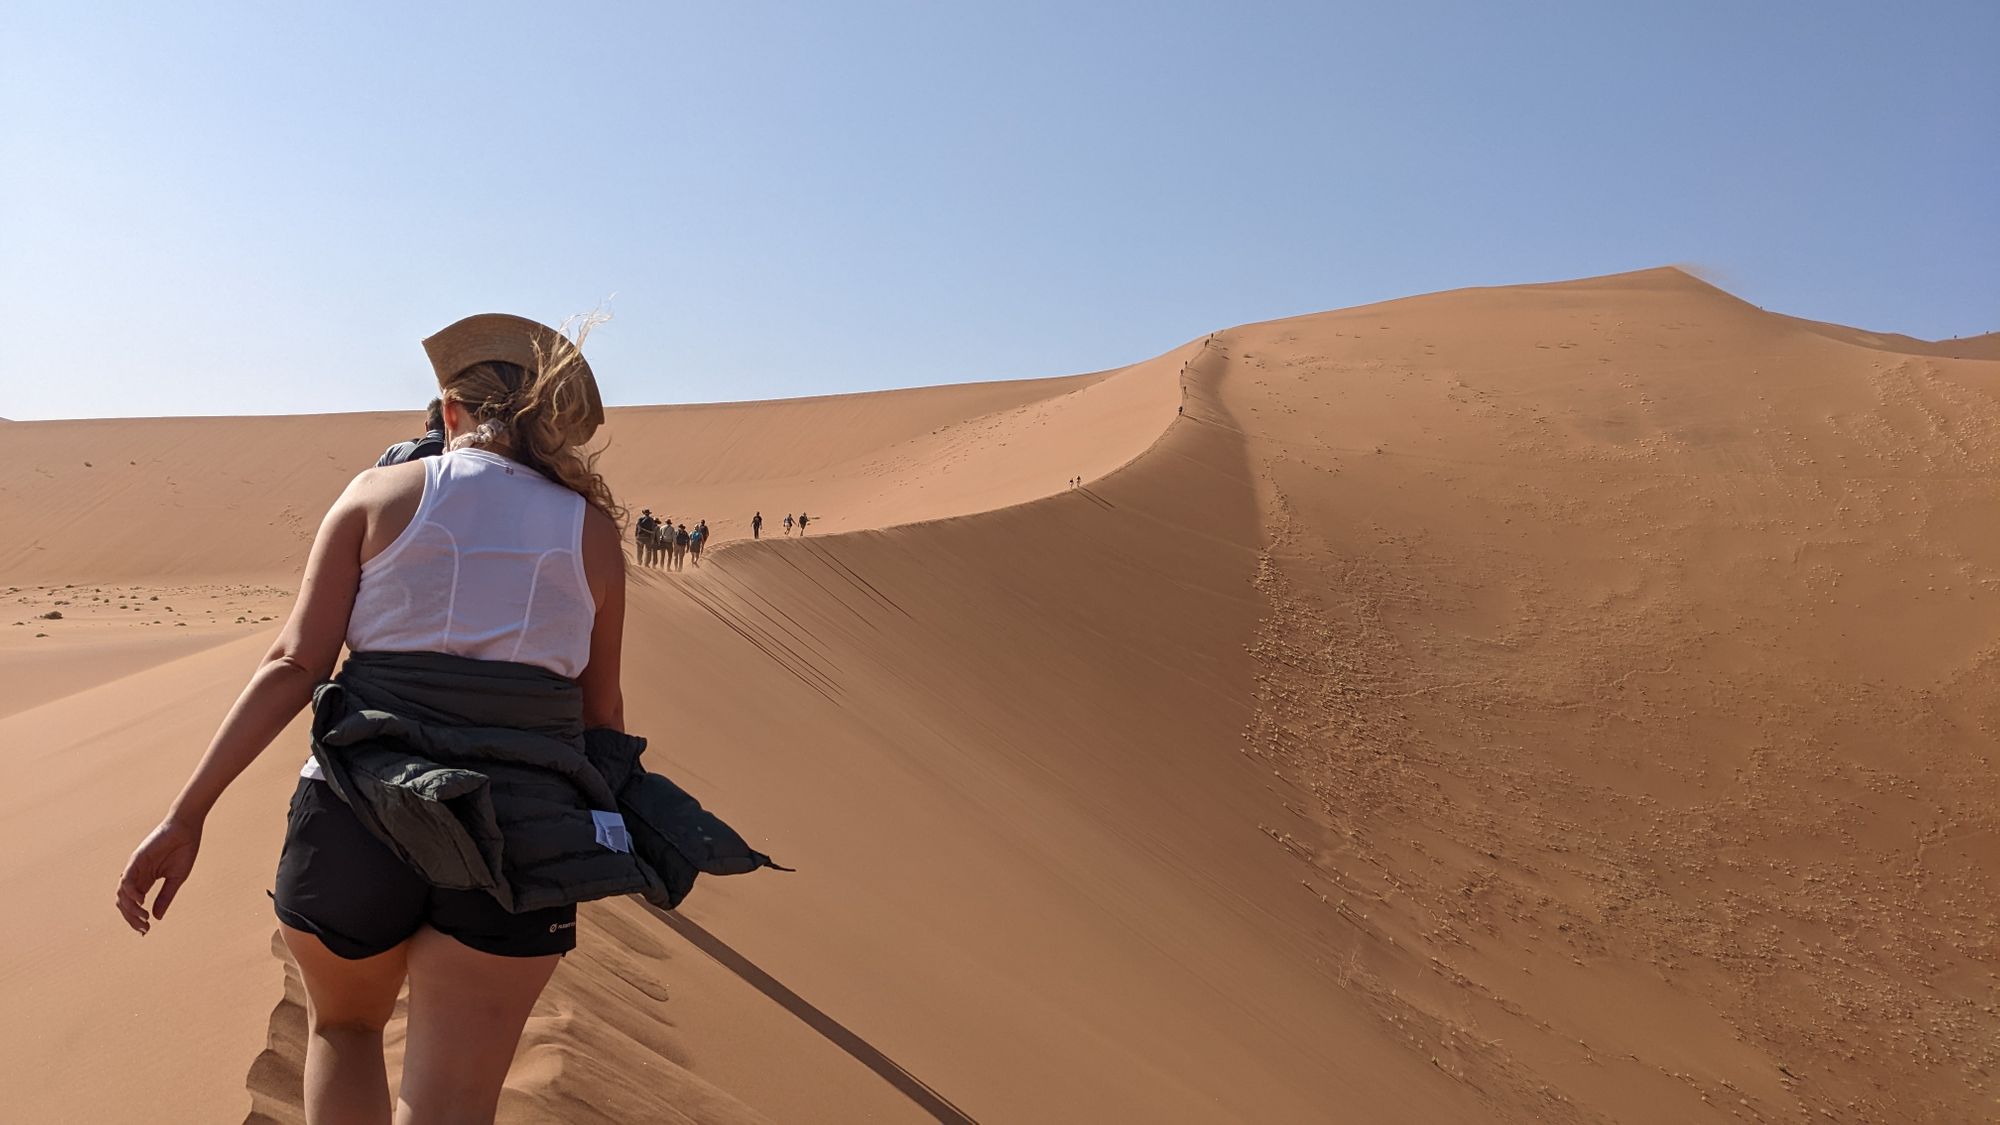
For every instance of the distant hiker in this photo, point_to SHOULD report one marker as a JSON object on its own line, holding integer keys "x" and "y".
{"x": 681, "y": 540}
{"x": 696, "y": 539}
{"x": 455, "y": 678}
{"x": 757, "y": 526}
{"x": 788, "y": 523}
{"x": 429, "y": 445}
{"x": 645, "y": 535}
{"x": 802, "y": 523}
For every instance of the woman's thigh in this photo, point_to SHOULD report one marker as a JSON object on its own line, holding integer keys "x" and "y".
{"x": 345, "y": 992}
{"x": 466, "y": 1012}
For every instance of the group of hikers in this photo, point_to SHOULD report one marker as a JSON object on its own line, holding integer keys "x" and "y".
{"x": 663, "y": 544}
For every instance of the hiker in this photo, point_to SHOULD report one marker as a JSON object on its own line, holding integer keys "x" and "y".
{"x": 419, "y": 568}
{"x": 681, "y": 541}
{"x": 788, "y": 523}
{"x": 696, "y": 540}
{"x": 645, "y": 535}
{"x": 429, "y": 445}
{"x": 757, "y": 526}
{"x": 802, "y": 524}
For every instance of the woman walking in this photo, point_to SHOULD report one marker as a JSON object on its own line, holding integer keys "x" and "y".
{"x": 482, "y": 596}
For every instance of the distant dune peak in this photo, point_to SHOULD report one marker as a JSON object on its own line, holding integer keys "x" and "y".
{"x": 1682, "y": 278}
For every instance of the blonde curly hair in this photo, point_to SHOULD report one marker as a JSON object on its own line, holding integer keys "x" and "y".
{"x": 536, "y": 417}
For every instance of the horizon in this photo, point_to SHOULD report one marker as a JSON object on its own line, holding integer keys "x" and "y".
{"x": 777, "y": 203}
{"x": 1682, "y": 268}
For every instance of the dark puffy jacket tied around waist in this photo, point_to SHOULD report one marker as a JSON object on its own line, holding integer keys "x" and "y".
{"x": 479, "y": 774}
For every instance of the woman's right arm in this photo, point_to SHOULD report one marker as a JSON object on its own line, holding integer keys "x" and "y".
{"x": 604, "y": 566}
{"x": 302, "y": 656}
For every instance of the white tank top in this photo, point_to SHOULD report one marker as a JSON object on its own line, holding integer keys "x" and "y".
{"x": 490, "y": 567}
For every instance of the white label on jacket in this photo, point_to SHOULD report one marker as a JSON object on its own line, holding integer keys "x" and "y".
{"x": 611, "y": 830}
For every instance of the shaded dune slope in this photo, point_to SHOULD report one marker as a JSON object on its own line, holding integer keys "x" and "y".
{"x": 1548, "y": 703}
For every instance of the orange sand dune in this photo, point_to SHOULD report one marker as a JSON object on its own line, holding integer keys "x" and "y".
{"x": 1545, "y": 703}
{"x": 221, "y": 499}
{"x": 1985, "y": 346}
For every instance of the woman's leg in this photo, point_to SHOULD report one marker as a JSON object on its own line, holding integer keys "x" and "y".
{"x": 466, "y": 1012}
{"x": 348, "y": 1003}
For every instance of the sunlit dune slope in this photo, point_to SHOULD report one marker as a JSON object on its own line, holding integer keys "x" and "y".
{"x": 1546, "y": 703}
{"x": 889, "y": 458}
{"x": 1985, "y": 346}
{"x": 223, "y": 499}
{"x": 1636, "y": 650}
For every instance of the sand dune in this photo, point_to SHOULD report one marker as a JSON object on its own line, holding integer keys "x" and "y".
{"x": 1543, "y": 703}
{"x": 220, "y": 500}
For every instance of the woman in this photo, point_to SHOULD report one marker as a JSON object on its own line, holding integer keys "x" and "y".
{"x": 501, "y": 553}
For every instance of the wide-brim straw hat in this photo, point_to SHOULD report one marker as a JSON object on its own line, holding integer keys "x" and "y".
{"x": 490, "y": 337}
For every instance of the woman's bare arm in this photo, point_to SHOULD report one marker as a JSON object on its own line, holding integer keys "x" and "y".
{"x": 301, "y": 658}
{"x": 604, "y": 566}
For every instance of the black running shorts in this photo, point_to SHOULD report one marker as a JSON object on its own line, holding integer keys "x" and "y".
{"x": 339, "y": 883}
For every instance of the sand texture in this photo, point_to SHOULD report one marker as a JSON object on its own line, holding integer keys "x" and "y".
{"x": 1554, "y": 703}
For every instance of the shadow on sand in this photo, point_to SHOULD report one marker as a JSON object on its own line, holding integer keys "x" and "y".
{"x": 912, "y": 1087}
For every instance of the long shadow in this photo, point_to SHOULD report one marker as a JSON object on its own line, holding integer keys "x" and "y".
{"x": 1095, "y": 498}
{"x": 912, "y": 1087}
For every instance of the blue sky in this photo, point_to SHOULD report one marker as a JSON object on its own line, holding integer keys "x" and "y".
{"x": 224, "y": 209}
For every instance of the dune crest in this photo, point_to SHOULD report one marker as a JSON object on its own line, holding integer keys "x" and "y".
{"x": 1540, "y": 703}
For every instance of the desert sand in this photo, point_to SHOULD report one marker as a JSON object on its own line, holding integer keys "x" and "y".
{"x": 1559, "y": 703}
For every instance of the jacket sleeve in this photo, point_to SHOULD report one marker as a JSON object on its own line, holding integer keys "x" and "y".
{"x": 670, "y": 829}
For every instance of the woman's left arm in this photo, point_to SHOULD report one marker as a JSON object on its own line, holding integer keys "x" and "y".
{"x": 298, "y": 661}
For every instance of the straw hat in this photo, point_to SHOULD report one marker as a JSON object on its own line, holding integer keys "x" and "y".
{"x": 524, "y": 343}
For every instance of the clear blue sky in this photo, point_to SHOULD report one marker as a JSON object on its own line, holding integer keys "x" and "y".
{"x": 261, "y": 208}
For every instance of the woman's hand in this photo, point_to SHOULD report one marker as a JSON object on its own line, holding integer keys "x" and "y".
{"x": 167, "y": 857}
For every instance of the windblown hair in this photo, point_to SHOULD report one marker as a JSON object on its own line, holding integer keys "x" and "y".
{"x": 533, "y": 417}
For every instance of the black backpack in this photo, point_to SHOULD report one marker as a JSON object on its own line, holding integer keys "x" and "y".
{"x": 429, "y": 445}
